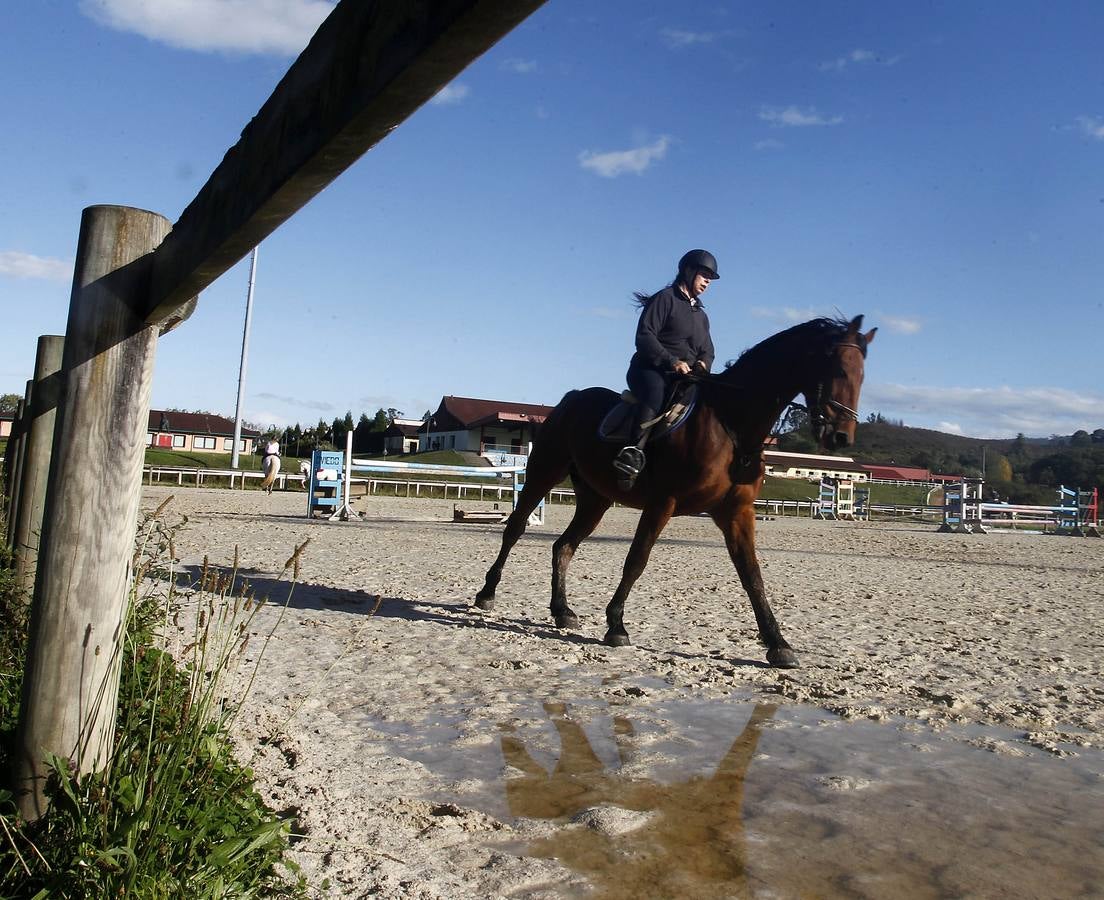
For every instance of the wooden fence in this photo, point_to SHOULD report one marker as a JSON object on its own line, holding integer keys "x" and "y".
{"x": 138, "y": 276}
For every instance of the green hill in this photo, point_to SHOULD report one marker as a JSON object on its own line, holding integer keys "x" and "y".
{"x": 1020, "y": 469}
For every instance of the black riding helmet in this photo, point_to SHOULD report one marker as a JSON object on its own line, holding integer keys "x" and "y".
{"x": 698, "y": 259}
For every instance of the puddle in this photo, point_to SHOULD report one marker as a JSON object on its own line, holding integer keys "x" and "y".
{"x": 733, "y": 799}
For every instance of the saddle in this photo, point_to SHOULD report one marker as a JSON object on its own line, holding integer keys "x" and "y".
{"x": 677, "y": 406}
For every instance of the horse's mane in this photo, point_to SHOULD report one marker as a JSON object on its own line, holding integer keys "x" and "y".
{"x": 792, "y": 347}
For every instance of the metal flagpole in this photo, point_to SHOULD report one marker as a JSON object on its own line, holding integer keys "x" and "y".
{"x": 244, "y": 359}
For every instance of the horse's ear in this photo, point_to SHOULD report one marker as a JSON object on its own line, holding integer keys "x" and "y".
{"x": 856, "y": 324}
{"x": 869, "y": 336}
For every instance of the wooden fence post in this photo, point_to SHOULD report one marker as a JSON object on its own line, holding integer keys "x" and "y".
{"x": 38, "y": 441}
{"x": 9, "y": 465}
{"x": 15, "y": 470}
{"x": 70, "y": 688}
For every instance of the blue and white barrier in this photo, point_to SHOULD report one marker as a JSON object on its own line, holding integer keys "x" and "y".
{"x": 331, "y": 480}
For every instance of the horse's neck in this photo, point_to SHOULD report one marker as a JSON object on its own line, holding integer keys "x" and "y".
{"x": 749, "y": 401}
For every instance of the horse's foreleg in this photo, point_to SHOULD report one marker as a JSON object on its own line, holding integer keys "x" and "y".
{"x": 738, "y": 527}
{"x": 589, "y": 509}
{"x": 652, "y": 521}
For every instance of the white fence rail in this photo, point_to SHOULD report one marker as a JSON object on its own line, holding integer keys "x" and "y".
{"x": 406, "y": 487}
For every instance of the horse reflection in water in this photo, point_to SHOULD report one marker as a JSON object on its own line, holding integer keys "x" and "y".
{"x": 693, "y": 842}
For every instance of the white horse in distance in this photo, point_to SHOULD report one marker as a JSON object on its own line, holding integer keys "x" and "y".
{"x": 270, "y": 465}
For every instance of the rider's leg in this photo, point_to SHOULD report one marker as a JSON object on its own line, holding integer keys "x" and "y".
{"x": 648, "y": 386}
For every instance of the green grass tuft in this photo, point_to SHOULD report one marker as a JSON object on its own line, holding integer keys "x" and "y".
{"x": 174, "y": 814}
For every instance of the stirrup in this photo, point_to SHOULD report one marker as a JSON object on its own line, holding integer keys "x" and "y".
{"x": 629, "y": 461}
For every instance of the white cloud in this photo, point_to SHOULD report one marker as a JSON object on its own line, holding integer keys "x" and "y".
{"x": 793, "y": 117}
{"x": 679, "y": 37}
{"x": 987, "y": 412}
{"x": 1092, "y": 126}
{"x": 788, "y": 314}
{"x": 315, "y": 405}
{"x": 619, "y": 162}
{"x": 451, "y": 95}
{"x": 266, "y": 418}
{"x": 899, "y": 324}
{"x": 519, "y": 66}
{"x": 609, "y": 312}
{"x": 858, "y": 57}
{"x": 277, "y": 27}
{"x": 27, "y": 265}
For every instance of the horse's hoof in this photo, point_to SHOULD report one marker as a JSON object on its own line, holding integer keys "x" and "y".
{"x": 782, "y": 658}
{"x": 566, "y": 620}
{"x": 616, "y": 639}
{"x": 484, "y": 603}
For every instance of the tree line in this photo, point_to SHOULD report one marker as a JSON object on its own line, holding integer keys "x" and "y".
{"x": 299, "y": 441}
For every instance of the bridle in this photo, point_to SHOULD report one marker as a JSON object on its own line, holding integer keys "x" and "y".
{"x": 841, "y": 413}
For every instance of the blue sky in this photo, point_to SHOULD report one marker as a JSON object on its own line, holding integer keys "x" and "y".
{"x": 938, "y": 167}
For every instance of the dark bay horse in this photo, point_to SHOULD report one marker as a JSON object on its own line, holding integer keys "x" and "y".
{"x": 713, "y": 464}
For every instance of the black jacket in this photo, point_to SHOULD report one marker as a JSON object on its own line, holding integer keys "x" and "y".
{"x": 671, "y": 329}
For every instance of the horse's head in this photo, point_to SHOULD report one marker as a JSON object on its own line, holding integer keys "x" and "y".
{"x": 833, "y": 401}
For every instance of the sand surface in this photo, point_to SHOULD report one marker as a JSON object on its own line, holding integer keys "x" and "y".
{"x": 942, "y": 736}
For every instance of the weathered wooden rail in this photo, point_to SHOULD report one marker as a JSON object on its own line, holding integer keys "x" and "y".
{"x": 371, "y": 64}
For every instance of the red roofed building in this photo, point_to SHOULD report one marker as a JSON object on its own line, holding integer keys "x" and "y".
{"x": 203, "y": 432}
{"x": 892, "y": 472}
{"x": 482, "y": 426}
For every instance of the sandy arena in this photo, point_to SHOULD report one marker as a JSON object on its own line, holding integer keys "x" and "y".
{"x": 942, "y": 737}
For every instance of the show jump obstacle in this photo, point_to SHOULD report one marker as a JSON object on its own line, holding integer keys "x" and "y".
{"x": 329, "y": 490}
{"x": 840, "y": 499}
{"x": 964, "y": 512}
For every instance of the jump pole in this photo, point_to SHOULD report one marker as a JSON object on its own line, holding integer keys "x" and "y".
{"x": 345, "y": 512}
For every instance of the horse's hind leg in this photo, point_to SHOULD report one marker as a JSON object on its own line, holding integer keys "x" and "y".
{"x": 537, "y": 484}
{"x": 653, "y": 519}
{"x": 590, "y": 506}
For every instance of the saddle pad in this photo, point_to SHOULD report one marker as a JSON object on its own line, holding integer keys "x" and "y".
{"x": 617, "y": 422}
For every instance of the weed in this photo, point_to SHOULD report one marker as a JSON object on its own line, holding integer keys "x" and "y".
{"x": 173, "y": 814}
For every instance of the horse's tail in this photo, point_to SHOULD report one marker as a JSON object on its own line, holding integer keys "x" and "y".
{"x": 554, "y": 424}
{"x": 551, "y": 438}
{"x": 550, "y": 457}
{"x": 271, "y": 469}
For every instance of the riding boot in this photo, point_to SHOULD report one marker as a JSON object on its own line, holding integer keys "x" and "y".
{"x": 630, "y": 459}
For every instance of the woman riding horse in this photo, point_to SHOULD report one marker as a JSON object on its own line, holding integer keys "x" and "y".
{"x": 672, "y": 339}
{"x": 270, "y": 464}
{"x": 713, "y": 464}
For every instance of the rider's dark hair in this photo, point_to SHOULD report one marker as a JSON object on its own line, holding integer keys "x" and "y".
{"x": 640, "y": 299}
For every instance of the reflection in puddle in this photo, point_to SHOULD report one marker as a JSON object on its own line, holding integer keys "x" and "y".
{"x": 800, "y": 804}
{"x": 692, "y": 840}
